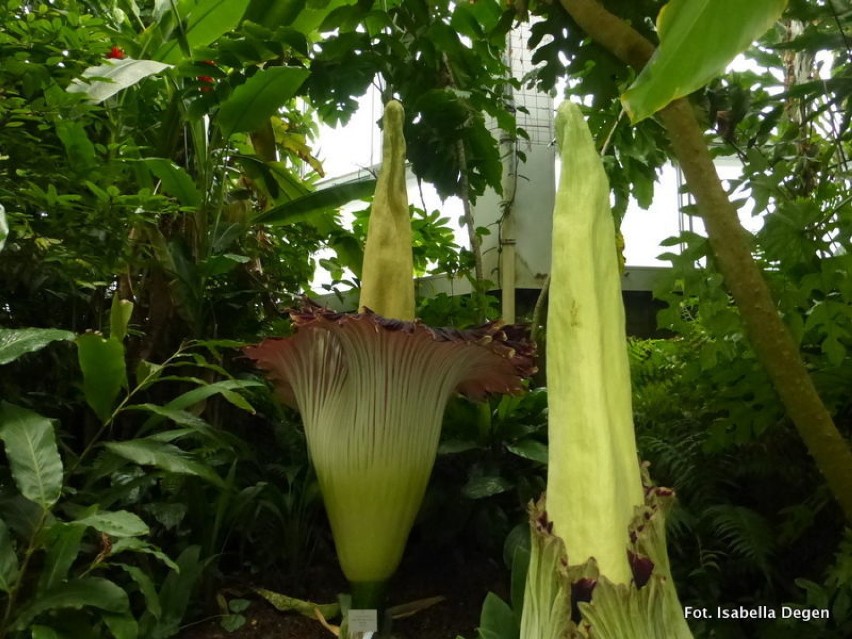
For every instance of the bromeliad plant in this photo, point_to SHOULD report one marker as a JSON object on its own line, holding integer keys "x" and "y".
{"x": 598, "y": 564}
{"x": 372, "y": 387}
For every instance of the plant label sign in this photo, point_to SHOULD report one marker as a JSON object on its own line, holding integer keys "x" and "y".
{"x": 363, "y": 620}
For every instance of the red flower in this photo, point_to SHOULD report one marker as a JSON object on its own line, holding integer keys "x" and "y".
{"x": 206, "y": 83}
{"x": 116, "y": 53}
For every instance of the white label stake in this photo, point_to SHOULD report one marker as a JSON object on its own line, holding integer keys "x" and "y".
{"x": 363, "y": 620}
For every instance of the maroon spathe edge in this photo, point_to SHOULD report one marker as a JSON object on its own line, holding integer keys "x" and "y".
{"x": 508, "y": 341}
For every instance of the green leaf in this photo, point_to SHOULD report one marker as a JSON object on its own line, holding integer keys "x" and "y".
{"x": 271, "y": 12}
{"x": 497, "y": 621}
{"x": 303, "y": 208}
{"x": 15, "y": 342}
{"x": 135, "y": 544}
{"x": 32, "y": 454}
{"x": 479, "y": 487}
{"x": 121, "y": 626}
{"x": 92, "y": 592}
{"x": 116, "y": 524}
{"x": 105, "y": 80}
{"x": 119, "y": 317}
{"x": 63, "y": 545}
{"x": 43, "y": 632}
{"x": 148, "y": 452}
{"x": 179, "y": 417}
{"x": 452, "y": 446}
{"x": 174, "y": 180}
{"x": 529, "y": 449}
{"x": 22, "y": 516}
{"x": 147, "y": 373}
{"x": 259, "y": 98}
{"x": 206, "y": 21}
{"x": 698, "y": 39}
{"x": 146, "y": 587}
{"x": 8, "y": 560}
{"x": 104, "y": 374}
{"x": 232, "y": 623}
{"x": 177, "y": 591}
{"x": 224, "y": 388}
{"x": 310, "y": 19}
{"x": 78, "y": 148}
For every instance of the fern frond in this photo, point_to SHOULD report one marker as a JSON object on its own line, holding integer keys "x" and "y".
{"x": 747, "y": 534}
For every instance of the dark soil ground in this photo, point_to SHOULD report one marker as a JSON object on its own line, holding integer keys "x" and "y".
{"x": 463, "y": 581}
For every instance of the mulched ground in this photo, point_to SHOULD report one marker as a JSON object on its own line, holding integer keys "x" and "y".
{"x": 464, "y": 581}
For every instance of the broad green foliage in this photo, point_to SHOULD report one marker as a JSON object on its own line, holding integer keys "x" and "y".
{"x": 445, "y": 85}
{"x": 17, "y": 342}
{"x": 259, "y": 98}
{"x": 634, "y": 153}
{"x": 201, "y": 23}
{"x": 105, "y": 80}
{"x": 59, "y": 530}
{"x": 33, "y": 457}
{"x": 698, "y": 39}
{"x": 102, "y": 363}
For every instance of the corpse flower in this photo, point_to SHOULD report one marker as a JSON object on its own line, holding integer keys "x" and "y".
{"x": 371, "y": 388}
{"x": 598, "y": 562}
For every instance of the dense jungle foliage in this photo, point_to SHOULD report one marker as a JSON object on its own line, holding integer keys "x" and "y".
{"x": 153, "y": 224}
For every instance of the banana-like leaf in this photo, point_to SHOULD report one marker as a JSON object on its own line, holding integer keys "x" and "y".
{"x": 174, "y": 180}
{"x": 105, "y": 80}
{"x": 304, "y": 208}
{"x": 698, "y": 39}
{"x": 32, "y": 454}
{"x": 205, "y": 22}
{"x": 254, "y": 102}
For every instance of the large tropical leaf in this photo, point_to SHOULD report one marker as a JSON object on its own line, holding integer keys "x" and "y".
{"x": 15, "y": 342}
{"x": 104, "y": 373}
{"x": 259, "y": 98}
{"x": 303, "y": 208}
{"x": 105, "y": 80}
{"x": 174, "y": 180}
{"x": 314, "y": 14}
{"x": 204, "y": 22}
{"x": 698, "y": 39}
{"x": 32, "y": 454}
{"x": 92, "y": 592}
